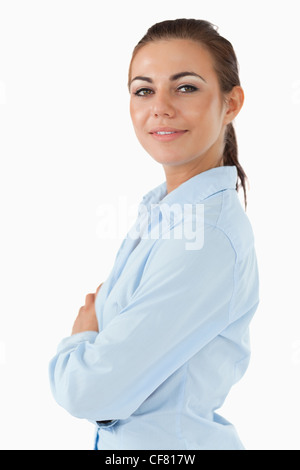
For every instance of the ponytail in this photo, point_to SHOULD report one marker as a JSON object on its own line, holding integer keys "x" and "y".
{"x": 230, "y": 158}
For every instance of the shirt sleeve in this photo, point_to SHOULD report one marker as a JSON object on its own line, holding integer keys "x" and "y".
{"x": 183, "y": 301}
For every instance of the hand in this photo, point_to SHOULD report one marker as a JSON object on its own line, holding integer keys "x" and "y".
{"x": 86, "y": 319}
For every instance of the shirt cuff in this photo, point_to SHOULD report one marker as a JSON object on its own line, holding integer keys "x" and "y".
{"x": 74, "y": 340}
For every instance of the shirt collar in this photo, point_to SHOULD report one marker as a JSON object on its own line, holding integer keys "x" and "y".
{"x": 195, "y": 189}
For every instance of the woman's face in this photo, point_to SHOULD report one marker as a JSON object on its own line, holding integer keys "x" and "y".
{"x": 176, "y": 105}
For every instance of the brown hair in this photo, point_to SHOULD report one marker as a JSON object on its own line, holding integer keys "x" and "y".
{"x": 225, "y": 64}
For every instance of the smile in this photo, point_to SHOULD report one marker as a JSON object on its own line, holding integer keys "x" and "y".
{"x": 165, "y": 134}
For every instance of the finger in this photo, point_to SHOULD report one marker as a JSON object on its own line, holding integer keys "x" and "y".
{"x": 89, "y": 299}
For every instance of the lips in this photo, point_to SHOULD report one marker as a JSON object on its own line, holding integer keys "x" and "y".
{"x": 166, "y": 134}
{"x": 158, "y": 130}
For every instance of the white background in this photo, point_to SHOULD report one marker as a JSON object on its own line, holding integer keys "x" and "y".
{"x": 68, "y": 148}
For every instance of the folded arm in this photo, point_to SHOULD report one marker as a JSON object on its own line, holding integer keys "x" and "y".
{"x": 182, "y": 302}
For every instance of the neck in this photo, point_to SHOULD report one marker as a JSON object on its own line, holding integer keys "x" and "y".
{"x": 176, "y": 175}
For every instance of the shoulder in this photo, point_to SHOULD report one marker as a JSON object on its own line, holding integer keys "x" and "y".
{"x": 220, "y": 230}
{"x": 224, "y": 212}
{"x": 194, "y": 241}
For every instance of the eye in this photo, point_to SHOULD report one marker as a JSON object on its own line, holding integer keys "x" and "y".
{"x": 143, "y": 92}
{"x": 189, "y": 88}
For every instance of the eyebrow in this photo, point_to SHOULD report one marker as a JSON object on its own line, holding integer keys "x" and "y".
{"x": 172, "y": 78}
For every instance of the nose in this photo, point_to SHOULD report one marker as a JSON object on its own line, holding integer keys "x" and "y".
{"x": 162, "y": 105}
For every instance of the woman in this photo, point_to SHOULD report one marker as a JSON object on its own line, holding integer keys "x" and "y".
{"x": 156, "y": 350}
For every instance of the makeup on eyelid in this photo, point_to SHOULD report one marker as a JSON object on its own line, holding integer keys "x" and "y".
{"x": 173, "y": 78}
{"x": 145, "y": 89}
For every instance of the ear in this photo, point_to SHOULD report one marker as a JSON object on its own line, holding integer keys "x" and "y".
{"x": 234, "y": 102}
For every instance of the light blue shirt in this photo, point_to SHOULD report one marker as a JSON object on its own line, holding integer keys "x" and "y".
{"x": 173, "y": 324}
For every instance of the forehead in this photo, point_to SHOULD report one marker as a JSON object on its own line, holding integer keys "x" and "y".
{"x": 167, "y": 57}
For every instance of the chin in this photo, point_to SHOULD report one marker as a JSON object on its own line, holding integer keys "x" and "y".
{"x": 167, "y": 158}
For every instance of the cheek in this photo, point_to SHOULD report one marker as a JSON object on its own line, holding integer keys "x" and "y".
{"x": 137, "y": 115}
{"x": 205, "y": 113}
